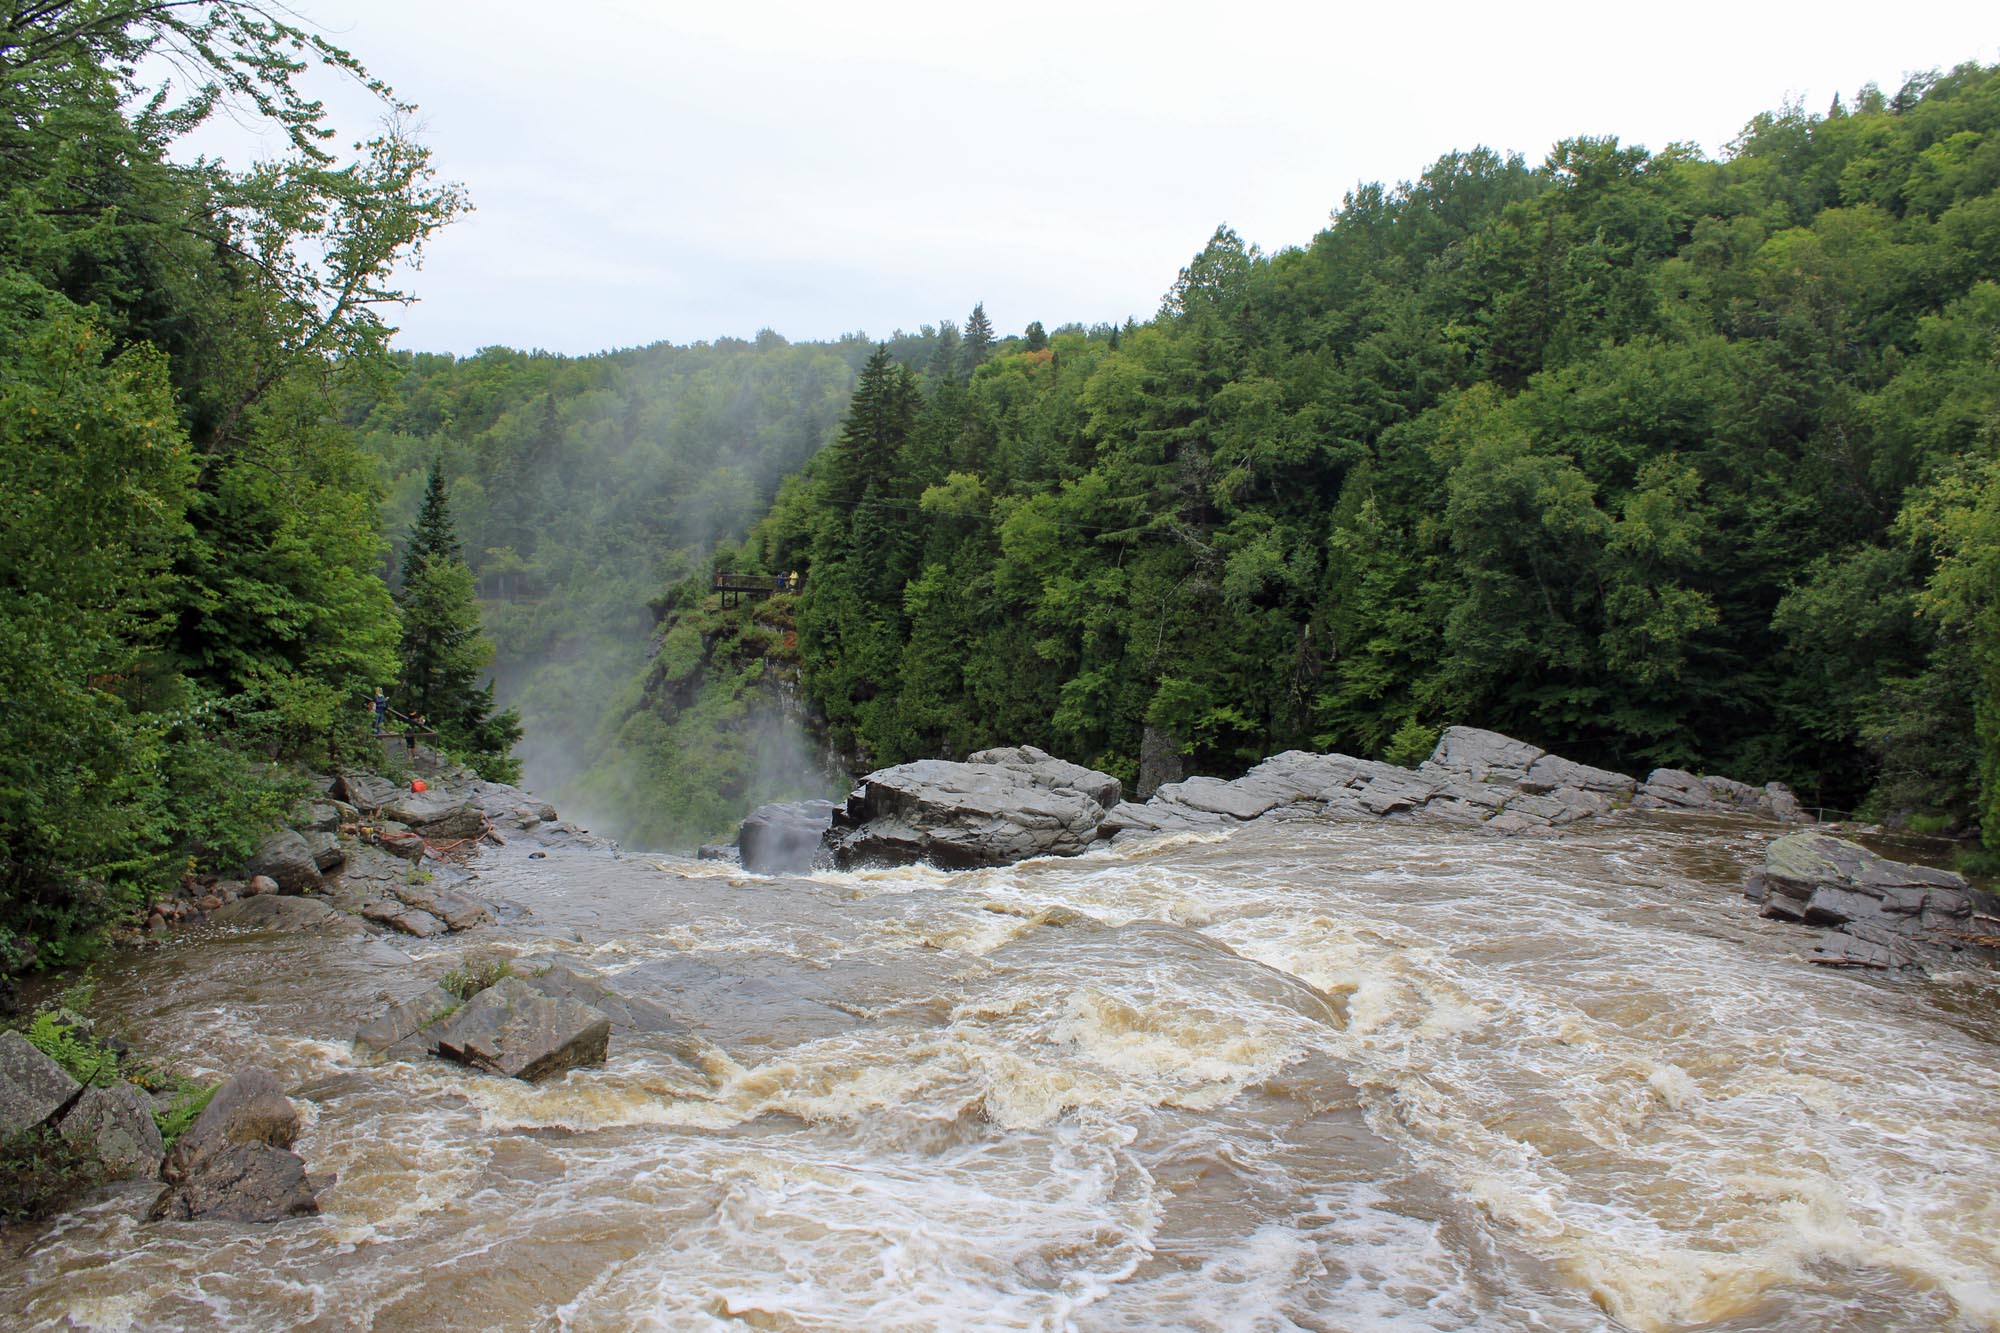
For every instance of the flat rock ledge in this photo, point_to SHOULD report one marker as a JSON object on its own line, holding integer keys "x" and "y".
{"x": 1876, "y": 913}
{"x": 1004, "y": 805}
{"x": 1474, "y": 778}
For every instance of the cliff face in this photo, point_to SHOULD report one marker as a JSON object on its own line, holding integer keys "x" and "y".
{"x": 715, "y": 724}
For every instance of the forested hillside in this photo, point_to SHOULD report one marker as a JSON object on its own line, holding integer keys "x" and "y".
{"x": 191, "y": 596}
{"x": 1645, "y": 457}
{"x": 584, "y": 486}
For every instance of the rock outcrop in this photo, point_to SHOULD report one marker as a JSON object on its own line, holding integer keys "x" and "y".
{"x": 1673, "y": 789}
{"x": 513, "y": 1029}
{"x": 997, "y": 807}
{"x": 34, "y": 1090}
{"x": 235, "y": 1162}
{"x": 1503, "y": 786}
{"x": 1877, "y": 913}
{"x": 1004, "y": 805}
{"x": 116, "y": 1126}
{"x": 783, "y": 838}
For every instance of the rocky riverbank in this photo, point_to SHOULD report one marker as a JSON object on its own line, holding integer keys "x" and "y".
{"x": 362, "y": 855}
{"x": 364, "y": 852}
{"x": 1003, "y": 805}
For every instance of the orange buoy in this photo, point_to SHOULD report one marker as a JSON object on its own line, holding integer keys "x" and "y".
{"x": 417, "y": 784}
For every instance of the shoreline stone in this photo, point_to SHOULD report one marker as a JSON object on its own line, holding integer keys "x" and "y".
{"x": 1876, "y": 913}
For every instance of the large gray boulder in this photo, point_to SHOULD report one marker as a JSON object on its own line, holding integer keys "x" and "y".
{"x": 289, "y": 860}
{"x": 513, "y": 1029}
{"x": 997, "y": 807}
{"x": 367, "y": 792}
{"x": 783, "y": 838}
{"x": 1877, "y": 912}
{"x": 33, "y": 1088}
{"x": 438, "y": 816}
{"x": 116, "y": 1125}
{"x": 235, "y": 1162}
{"x": 244, "y": 1182}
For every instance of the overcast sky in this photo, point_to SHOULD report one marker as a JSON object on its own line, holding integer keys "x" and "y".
{"x": 688, "y": 171}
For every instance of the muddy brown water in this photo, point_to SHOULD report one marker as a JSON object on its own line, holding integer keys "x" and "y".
{"x": 1312, "y": 1076}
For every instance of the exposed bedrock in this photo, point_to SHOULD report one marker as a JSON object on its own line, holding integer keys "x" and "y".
{"x": 1877, "y": 913}
{"x": 1503, "y": 786}
{"x": 997, "y": 807}
{"x": 1004, "y": 805}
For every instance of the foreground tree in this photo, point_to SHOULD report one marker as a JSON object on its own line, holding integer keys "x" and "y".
{"x": 443, "y": 649}
{"x": 189, "y": 588}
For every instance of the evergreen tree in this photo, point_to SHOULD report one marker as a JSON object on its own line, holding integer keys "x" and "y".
{"x": 978, "y": 338}
{"x": 944, "y": 357}
{"x": 433, "y": 534}
{"x": 444, "y": 650}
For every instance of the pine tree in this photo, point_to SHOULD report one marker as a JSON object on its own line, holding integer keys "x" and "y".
{"x": 978, "y": 339}
{"x": 443, "y": 649}
{"x": 433, "y": 533}
{"x": 944, "y": 358}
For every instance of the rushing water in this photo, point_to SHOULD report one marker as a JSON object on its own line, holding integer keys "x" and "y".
{"x": 1308, "y": 1075}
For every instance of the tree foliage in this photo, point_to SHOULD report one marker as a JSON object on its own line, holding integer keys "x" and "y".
{"x": 1647, "y": 457}
{"x": 189, "y": 577}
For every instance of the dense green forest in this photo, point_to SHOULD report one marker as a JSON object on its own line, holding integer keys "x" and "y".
{"x": 583, "y": 486}
{"x": 192, "y": 601}
{"x": 1645, "y": 457}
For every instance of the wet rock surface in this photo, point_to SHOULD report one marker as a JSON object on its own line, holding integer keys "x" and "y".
{"x": 997, "y": 807}
{"x": 379, "y": 855}
{"x": 235, "y": 1162}
{"x": 1504, "y": 787}
{"x": 33, "y": 1088}
{"x": 1878, "y": 913}
{"x": 514, "y": 1029}
{"x": 116, "y": 1125}
{"x": 783, "y": 838}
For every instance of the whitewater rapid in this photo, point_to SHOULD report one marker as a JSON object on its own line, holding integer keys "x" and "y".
{"x": 1305, "y": 1075}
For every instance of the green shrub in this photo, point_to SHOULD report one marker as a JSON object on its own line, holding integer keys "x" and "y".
{"x": 190, "y": 1100}
{"x": 57, "y": 1034}
{"x": 1411, "y": 745}
{"x": 475, "y": 975}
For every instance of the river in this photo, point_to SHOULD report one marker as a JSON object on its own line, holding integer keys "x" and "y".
{"x": 1305, "y": 1075}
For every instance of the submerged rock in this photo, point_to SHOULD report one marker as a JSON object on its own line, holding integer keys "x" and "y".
{"x": 1879, "y": 913}
{"x": 997, "y": 807}
{"x": 783, "y": 838}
